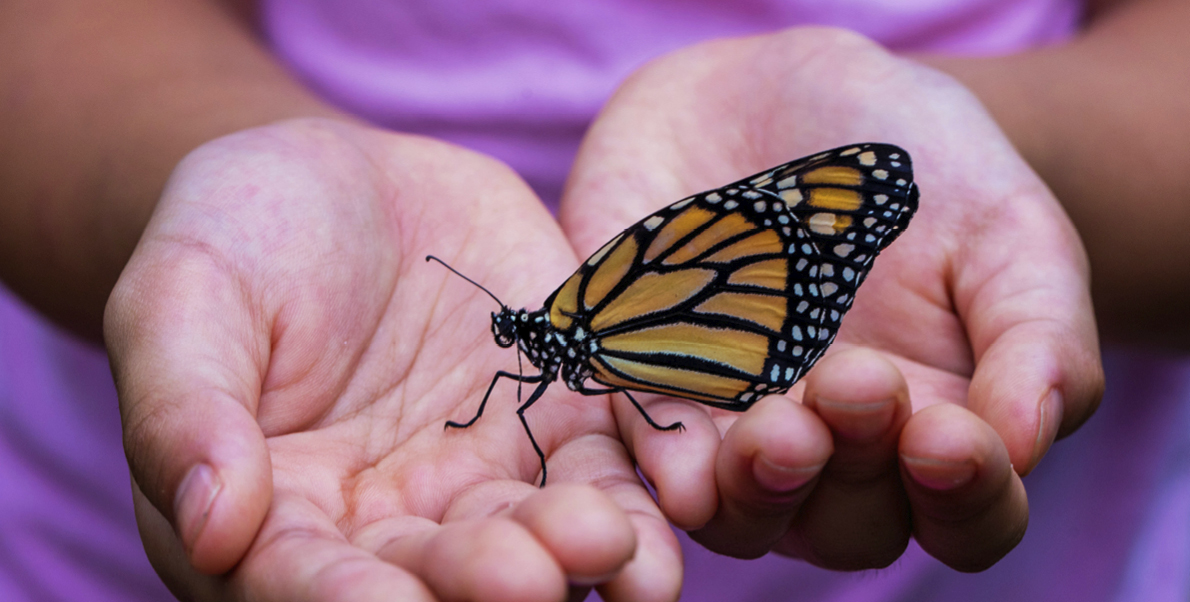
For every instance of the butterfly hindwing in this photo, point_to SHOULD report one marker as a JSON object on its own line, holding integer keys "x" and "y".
{"x": 852, "y": 202}
{"x": 734, "y": 293}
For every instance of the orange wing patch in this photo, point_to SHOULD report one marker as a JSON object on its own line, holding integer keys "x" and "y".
{"x": 610, "y": 272}
{"x": 566, "y": 302}
{"x": 730, "y": 225}
{"x": 652, "y": 292}
{"x": 836, "y": 199}
{"x": 834, "y": 175}
{"x": 764, "y": 242}
{"x": 745, "y": 351}
{"x": 664, "y": 379}
{"x": 676, "y": 229}
{"x": 765, "y": 310}
{"x": 770, "y": 273}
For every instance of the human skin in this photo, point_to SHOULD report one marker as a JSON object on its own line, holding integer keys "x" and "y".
{"x": 72, "y": 219}
{"x": 170, "y": 77}
{"x": 1101, "y": 119}
{"x": 1104, "y": 120}
{"x": 982, "y": 307}
{"x": 280, "y": 298}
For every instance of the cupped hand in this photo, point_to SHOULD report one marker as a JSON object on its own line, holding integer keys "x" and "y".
{"x": 969, "y": 349}
{"x": 286, "y": 361}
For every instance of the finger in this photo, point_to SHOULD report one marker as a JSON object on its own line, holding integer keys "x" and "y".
{"x": 165, "y": 552}
{"x": 765, "y": 469}
{"x": 489, "y": 559}
{"x": 304, "y": 558}
{"x": 585, "y": 531}
{"x": 654, "y": 572}
{"x": 1038, "y": 373}
{"x": 969, "y": 507}
{"x": 186, "y": 382}
{"x": 679, "y": 463}
{"x": 857, "y": 516}
{"x": 582, "y": 526}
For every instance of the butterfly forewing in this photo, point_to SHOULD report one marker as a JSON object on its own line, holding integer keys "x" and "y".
{"x": 734, "y": 293}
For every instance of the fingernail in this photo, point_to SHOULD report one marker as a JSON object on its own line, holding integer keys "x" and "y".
{"x": 781, "y": 478}
{"x": 1048, "y": 420}
{"x": 862, "y": 420}
{"x": 939, "y": 475}
{"x": 192, "y": 504}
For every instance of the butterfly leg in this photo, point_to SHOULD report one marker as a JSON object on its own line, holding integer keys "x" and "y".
{"x": 520, "y": 412}
{"x": 677, "y": 426}
{"x": 499, "y": 375}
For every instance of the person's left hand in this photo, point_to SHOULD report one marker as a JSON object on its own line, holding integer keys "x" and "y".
{"x": 980, "y": 312}
{"x": 287, "y": 362}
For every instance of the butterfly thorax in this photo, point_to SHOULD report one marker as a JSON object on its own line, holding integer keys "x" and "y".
{"x": 549, "y": 349}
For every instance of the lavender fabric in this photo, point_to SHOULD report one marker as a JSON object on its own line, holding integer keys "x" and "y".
{"x": 520, "y": 81}
{"x": 66, "y": 526}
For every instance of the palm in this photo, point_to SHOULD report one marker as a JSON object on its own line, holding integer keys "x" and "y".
{"x": 981, "y": 304}
{"x": 305, "y": 294}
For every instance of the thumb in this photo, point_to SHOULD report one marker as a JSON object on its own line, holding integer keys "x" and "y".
{"x": 1038, "y": 375}
{"x": 188, "y": 379}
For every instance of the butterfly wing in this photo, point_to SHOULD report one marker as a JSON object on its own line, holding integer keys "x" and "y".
{"x": 734, "y": 293}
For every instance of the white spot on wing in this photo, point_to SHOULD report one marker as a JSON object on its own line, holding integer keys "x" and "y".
{"x": 792, "y": 197}
{"x": 762, "y": 179}
{"x": 822, "y": 223}
{"x": 598, "y": 256}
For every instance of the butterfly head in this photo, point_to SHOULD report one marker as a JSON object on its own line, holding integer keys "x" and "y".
{"x": 504, "y": 326}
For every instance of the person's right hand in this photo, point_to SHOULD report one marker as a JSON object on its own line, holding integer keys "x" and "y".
{"x": 970, "y": 347}
{"x": 286, "y": 361}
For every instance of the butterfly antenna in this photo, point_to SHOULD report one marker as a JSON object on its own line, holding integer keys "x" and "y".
{"x": 429, "y": 257}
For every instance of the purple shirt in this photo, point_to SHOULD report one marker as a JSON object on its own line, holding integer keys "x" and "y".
{"x": 520, "y": 81}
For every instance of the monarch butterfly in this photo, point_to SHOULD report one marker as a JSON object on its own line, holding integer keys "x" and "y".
{"x": 722, "y": 297}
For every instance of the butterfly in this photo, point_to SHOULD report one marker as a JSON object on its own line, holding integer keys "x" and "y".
{"x": 722, "y": 297}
